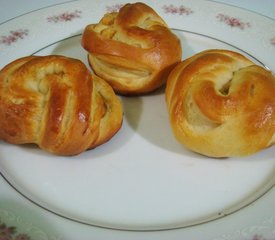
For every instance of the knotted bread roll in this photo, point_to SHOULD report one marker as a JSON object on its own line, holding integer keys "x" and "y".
{"x": 133, "y": 49}
{"x": 221, "y": 104}
{"x": 56, "y": 103}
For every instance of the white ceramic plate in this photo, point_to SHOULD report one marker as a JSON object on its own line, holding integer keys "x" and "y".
{"x": 142, "y": 179}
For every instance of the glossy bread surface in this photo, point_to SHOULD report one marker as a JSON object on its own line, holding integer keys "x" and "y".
{"x": 221, "y": 104}
{"x": 133, "y": 49}
{"x": 55, "y": 102}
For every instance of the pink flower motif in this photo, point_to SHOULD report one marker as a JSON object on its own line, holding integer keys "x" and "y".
{"x": 260, "y": 237}
{"x": 232, "y": 21}
{"x": 8, "y": 233}
{"x": 272, "y": 41}
{"x": 181, "y": 10}
{"x": 114, "y": 8}
{"x": 257, "y": 237}
{"x": 13, "y": 36}
{"x": 22, "y": 237}
{"x": 65, "y": 17}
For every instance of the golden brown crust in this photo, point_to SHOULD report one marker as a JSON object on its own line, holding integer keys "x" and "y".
{"x": 221, "y": 104}
{"x": 56, "y": 103}
{"x": 133, "y": 49}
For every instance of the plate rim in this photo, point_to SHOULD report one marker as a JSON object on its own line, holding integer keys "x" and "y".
{"x": 17, "y": 17}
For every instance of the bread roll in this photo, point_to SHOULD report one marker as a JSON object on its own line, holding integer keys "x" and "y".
{"x": 133, "y": 49}
{"x": 56, "y": 103}
{"x": 221, "y": 104}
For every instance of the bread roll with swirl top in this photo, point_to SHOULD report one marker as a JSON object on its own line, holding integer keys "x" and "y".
{"x": 221, "y": 104}
{"x": 55, "y": 102}
{"x": 133, "y": 49}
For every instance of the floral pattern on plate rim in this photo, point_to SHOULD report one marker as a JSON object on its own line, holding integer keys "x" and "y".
{"x": 14, "y": 36}
{"x": 65, "y": 16}
{"x": 181, "y": 10}
{"x": 9, "y": 233}
{"x": 232, "y": 21}
{"x": 114, "y": 8}
{"x": 259, "y": 237}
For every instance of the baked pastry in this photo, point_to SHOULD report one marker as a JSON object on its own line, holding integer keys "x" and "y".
{"x": 221, "y": 104}
{"x": 133, "y": 49}
{"x": 55, "y": 102}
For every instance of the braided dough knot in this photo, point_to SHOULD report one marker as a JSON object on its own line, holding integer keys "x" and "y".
{"x": 133, "y": 49}
{"x": 55, "y": 102}
{"x": 221, "y": 104}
